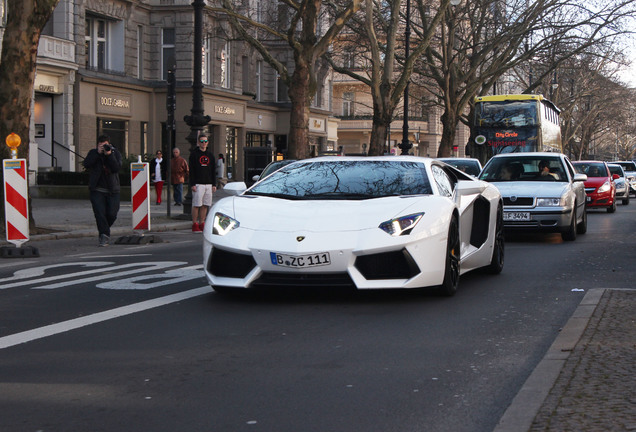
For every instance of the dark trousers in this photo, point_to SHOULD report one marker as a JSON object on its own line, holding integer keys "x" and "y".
{"x": 105, "y": 208}
{"x": 178, "y": 193}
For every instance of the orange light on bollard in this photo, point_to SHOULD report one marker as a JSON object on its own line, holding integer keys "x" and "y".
{"x": 13, "y": 141}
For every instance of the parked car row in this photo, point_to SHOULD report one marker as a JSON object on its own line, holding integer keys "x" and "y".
{"x": 548, "y": 192}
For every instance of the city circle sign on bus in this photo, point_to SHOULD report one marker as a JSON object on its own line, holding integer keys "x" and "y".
{"x": 480, "y": 139}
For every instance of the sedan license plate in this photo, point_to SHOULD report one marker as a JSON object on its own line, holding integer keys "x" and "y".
{"x": 300, "y": 261}
{"x": 516, "y": 216}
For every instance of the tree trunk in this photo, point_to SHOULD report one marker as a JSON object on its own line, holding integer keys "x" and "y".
{"x": 299, "y": 91}
{"x": 449, "y": 128}
{"x": 25, "y": 20}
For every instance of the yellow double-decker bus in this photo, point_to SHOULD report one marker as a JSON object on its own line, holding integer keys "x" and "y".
{"x": 515, "y": 123}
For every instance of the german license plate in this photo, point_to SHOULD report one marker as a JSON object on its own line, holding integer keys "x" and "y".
{"x": 589, "y": 199}
{"x": 516, "y": 216}
{"x": 300, "y": 261}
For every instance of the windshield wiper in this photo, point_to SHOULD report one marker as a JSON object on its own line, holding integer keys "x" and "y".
{"x": 274, "y": 195}
{"x": 340, "y": 195}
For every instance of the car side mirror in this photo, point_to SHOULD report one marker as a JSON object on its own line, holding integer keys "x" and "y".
{"x": 235, "y": 188}
{"x": 465, "y": 187}
{"x": 615, "y": 176}
{"x": 580, "y": 177}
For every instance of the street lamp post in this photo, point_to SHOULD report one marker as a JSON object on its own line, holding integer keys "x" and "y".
{"x": 197, "y": 120}
{"x": 406, "y": 145}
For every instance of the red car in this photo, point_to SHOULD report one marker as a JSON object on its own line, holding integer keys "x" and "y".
{"x": 599, "y": 187}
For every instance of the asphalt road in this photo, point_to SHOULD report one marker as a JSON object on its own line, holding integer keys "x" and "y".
{"x": 130, "y": 338}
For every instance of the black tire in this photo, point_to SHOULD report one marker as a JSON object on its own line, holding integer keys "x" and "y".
{"x": 581, "y": 228}
{"x": 451, "y": 270}
{"x": 570, "y": 233}
{"x": 497, "y": 262}
{"x": 612, "y": 208}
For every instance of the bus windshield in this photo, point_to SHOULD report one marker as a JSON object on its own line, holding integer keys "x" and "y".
{"x": 506, "y": 114}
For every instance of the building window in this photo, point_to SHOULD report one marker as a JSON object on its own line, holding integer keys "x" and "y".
{"x": 245, "y": 64}
{"x": 144, "y": 138}
{"x": 167, "y": 51}
{"x": 281, "y": 90}
{"x": 95, "y": 43}
{"x": 259, "y": 79}
{"x": 347, "y": 104}
{"x": 226, "y": 69}
{"x": 205, "y": 61}
{"x": 140, "y": 52}
{"x": 3, "y": 13}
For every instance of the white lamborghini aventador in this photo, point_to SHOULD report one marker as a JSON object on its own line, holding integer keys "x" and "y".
{"x": 365, "y": 222}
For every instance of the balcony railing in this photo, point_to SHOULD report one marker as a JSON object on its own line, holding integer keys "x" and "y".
{"x": 55, "y": 48}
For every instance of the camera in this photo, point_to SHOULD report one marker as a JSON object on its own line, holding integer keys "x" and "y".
{"x": 107, "y": 147}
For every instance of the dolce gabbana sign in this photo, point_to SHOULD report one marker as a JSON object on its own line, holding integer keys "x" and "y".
{"x": 113, "y": 103}
{"x": 225, "y": 110}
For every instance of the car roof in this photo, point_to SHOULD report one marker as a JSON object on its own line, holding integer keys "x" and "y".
{"x": 588, "y": 161}
{"x": 528, "y": 154}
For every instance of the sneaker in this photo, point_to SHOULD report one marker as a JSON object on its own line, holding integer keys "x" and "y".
{"x": 104, "y": 240}
{"x": 202, "y": 225}
{"x": 196, "y": 227}
{"x": 177, "y": 204}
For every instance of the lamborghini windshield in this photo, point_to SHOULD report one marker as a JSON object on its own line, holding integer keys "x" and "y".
{"x": 345, "y": 179}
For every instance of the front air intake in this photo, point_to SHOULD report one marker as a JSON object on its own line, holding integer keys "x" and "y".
{"x": 387, "y": 265}
{"x": 229, "y": 264}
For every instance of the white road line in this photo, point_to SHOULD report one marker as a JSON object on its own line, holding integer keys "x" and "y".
{"x": 65, "y": 326}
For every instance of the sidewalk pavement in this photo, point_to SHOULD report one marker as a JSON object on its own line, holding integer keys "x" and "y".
{"x": 585, "y": 382}
{"x": 68, "y": 218}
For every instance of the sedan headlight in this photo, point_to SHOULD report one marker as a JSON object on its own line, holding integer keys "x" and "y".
{"x": 223, "y": 224}
{"x": 402, "y": 225}
{"x": 604, "y": 187}
{"x": 548, "y": 202}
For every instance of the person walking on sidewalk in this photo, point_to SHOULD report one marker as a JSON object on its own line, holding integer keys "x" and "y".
{"x": 202, "y": 178}
{"x": 178, "y": 173}
{"x": 220, "y": 170}
{"x": 103, "y": 164}
{"x": 158, "y": 173}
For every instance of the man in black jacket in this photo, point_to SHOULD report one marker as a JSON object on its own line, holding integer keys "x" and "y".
{"x": 103, "y": 163}
{"x": 202, "y": 180}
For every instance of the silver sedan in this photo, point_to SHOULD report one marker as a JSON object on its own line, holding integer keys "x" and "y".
{"x": 541, "y": 191}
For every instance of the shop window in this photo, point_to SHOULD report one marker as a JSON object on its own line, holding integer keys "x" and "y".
{"x": 117, "y": 130}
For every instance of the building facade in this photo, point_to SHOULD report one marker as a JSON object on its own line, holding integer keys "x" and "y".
{"x": 102, "y": 69}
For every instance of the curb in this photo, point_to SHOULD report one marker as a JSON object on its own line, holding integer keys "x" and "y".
{"x": 530, "y": 398}
{"x": 93, "y": 232}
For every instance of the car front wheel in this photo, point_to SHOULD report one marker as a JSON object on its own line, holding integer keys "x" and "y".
{"x": 570, "y": 233}
{"x": 451, "y": 271}
{"x": 497, "y": 262}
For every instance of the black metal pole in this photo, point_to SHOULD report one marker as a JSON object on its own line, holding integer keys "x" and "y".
{"x": 406, "y": 145}
{"x": 197, "y": 120}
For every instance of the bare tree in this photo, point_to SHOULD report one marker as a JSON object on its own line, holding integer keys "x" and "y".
{"x": 25, "y": 20}
{"x": 381, "y": 64}
{"x": 482, "y": 40}
{"x": 299, "y": 31}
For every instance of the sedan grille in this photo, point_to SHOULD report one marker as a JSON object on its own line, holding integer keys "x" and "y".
{"x": 387, "y": 265}
{"x": 518, "y": 201}
{"x": 229, "y": 264}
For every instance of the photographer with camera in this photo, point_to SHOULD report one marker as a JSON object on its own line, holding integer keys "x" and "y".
{"x": 103, "y": 164}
